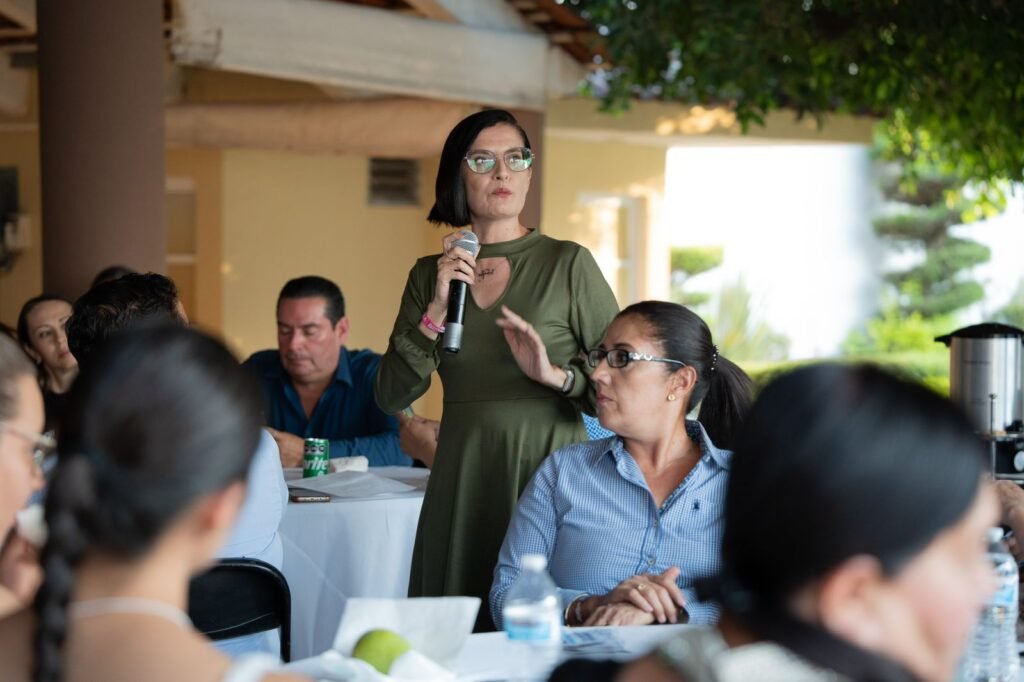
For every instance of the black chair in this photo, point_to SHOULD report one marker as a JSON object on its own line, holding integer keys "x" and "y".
{"x": 241, "y": 597}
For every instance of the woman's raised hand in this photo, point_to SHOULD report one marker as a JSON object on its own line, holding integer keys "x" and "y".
{"x": 529, "y": 350}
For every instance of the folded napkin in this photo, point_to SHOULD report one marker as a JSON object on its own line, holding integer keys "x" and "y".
{"x": 436, "y": 627}
{"x": 357, "y": 463}
{"x": 331, "y": 666}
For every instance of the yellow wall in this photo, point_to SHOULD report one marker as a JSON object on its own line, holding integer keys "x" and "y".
{"x": 204, "y": 168}
{"x": 676, "y": 124}
{"x": 287, "y": 215}
{"x": 20, "y": 148}
{"x": 575, "y": 170}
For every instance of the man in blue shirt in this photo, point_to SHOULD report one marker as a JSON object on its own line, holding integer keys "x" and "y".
{"x": 314, "y": 387}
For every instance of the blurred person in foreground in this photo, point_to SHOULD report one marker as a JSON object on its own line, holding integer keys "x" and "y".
{"x": 147, "y": 485}
{"x": 134, "y": 300}
{"x": 630, "y": 521}
{"x": 22, "y": 446}
{"x": 42, "y": 333}
{"x": 855, "y": 539}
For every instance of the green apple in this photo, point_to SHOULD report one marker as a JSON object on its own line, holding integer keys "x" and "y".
{"x": 380, "y": 648}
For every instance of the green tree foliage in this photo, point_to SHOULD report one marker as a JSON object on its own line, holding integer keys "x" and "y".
{"x": 938, "y": 285}
{"x": 893, "y": 332}
{"x": 945, "y": 75}
{"x": 922, "y": 298}
{"x": 1013, "y": 311}
{"x": 688, "y": 262}
{"x": 739, "y": 334}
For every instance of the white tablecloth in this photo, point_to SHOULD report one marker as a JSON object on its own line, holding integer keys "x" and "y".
{"x": 347, "y": 548}
{"x": 490, "y": 656}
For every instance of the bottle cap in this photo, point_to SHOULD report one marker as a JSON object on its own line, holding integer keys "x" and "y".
{"x": 994, "y": 535}
{"x": 534, "y": 562}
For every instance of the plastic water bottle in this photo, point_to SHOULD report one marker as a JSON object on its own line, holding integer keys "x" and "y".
{"x": 992, "y": 656}
{"x": 533, "y": 619}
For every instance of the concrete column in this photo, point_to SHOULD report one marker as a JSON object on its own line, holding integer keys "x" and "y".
{"x": 101, "y": 124}
{"x": 533, "y": 124}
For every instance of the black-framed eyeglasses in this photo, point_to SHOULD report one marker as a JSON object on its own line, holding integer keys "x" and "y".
{"x": 43, "y": 444}
{"x": 484, "y": 161}
{"x": 619, "y": 358}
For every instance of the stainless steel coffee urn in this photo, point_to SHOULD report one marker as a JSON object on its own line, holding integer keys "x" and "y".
{"x": 986, "y": 376}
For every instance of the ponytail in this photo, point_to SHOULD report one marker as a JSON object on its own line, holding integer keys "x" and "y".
{"x": 729, "y": 395}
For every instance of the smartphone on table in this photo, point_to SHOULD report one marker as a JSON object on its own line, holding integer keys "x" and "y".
{"x": 307, "y": 495}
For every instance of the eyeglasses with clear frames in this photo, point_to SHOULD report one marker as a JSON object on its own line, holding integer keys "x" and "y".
{"x": 619, "y": 358}
{"x": 484, "y": 161}
{"x": 43, "y": 444}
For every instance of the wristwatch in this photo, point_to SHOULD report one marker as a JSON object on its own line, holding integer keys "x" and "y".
{"x": 570, "y": 379}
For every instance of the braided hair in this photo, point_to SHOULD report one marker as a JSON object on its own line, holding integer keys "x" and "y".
{"x": 160, "y": 417}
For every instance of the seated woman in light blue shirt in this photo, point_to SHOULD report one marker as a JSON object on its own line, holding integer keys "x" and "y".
{"x": 629, "y": 522}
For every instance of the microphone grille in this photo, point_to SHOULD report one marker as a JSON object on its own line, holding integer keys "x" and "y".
{"x": 469, "y": 241}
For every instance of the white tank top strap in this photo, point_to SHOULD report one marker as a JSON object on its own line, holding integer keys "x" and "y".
{"x": 251, "y": 668}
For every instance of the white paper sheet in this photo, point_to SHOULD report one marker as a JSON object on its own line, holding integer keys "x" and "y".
{"x": 351, "y": 484}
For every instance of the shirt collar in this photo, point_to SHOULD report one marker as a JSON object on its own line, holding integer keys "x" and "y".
{"x": 694, "y": 429}
{"x": 343, "y": 373}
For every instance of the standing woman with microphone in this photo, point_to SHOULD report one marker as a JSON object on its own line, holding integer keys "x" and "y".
{"x": 514, "y": 390}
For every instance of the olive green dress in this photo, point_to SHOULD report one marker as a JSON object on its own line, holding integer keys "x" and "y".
{"x": 498, "y": 425}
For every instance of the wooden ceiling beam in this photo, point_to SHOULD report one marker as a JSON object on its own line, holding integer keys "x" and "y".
{"x": 432, "y": 9}
{"x": 22, "y": 12}
{"x": 362, "y": 48}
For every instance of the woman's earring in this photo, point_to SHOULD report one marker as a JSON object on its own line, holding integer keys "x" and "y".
{"x": 671, "y": 397}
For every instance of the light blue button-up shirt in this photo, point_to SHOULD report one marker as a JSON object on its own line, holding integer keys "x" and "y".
{"x": 589, "y": 511}
{"x": 255, "y": 536}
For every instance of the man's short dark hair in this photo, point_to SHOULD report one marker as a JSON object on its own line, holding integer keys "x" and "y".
{"x": 109, "y": 307}
{"x": 312, "y": 286}
{"x": 111, "y": 272}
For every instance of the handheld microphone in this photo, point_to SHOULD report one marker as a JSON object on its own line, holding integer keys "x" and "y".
{"x": 452, "y": 340}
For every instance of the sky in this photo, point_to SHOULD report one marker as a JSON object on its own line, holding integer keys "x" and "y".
{"x": 795, "y": 225}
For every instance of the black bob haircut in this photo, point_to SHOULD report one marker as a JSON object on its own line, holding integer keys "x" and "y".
{"x": 450, "y": 205}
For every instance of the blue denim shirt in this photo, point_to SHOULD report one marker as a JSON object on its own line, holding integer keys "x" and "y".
{"x": 589, "y": 511}
{"x": 347, "y": 414}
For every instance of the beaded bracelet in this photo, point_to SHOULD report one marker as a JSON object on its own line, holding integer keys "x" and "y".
{"x": 429, "y": 324}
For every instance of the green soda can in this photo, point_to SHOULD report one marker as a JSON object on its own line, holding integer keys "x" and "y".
{"x": 316, "y": 453}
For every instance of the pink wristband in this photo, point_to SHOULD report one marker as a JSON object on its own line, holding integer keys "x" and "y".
{"x": 429, "y": 324}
